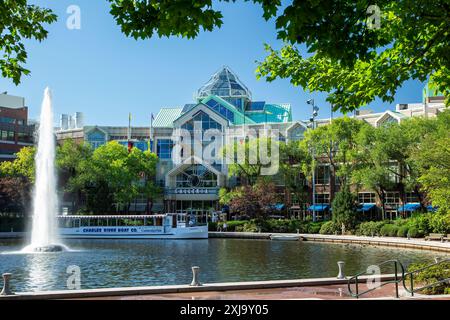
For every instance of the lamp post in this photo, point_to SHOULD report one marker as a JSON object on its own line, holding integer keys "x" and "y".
{"x": 312, "y": 121}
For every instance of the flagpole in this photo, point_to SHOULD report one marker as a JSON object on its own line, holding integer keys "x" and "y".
{"x": 129, "y": 133}
{"x": 129, "y": 127}
{"x": 151, "y": 133}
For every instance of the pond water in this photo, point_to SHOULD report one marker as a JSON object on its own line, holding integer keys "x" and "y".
{"x": 127, "y": 263}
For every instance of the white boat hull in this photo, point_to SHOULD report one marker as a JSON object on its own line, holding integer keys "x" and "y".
{"x": 138, "y": 232}
{"x": 284, "y": 238}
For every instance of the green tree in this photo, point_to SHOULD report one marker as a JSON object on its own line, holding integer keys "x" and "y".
{"x": 245, "y": 158}
{"x": 335, "y": 144}
{"x": 120, "y": 176}
{"x": 399, "y": 142}
{"x": 433, "y": 160}
{"x": 355, "y": 63}
{"x": 143, "y": 165}
{"x": 372, "y": 166}
{"x": 344, "y": 208}
{"x": 20, "y": 21}
{"x": 295, "y": 164}
{"x": 22, "y": 166}
{"x": 73, "y": 161}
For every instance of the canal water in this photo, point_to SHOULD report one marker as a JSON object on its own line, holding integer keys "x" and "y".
{"x": 127, "y": 263}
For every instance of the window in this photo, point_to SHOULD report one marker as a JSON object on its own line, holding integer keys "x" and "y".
{"x": 366, "y": 197}
{"x": 392, "y": 198}
{"x": 4, "y": 135}
{"x": 206, "y": 121}
{"x": 393, "y": 173}
{"x": 237, "y": 102}
{"x": 96, "y": 139}
{"x": 7, "y": 120}
{"x": 164, "y": 148}
{"x": 296, "y": 133}
{"x": 323, "y": 198}
{"x": 10, "y": 136}
{"x": 219, "y": 108}
{"x": 411, "y": 197}
{"x": 196, "y": 176}
{"x": 323, "y": 174}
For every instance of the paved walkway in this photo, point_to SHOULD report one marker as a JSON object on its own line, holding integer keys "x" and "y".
{"x": 330, "y": 292}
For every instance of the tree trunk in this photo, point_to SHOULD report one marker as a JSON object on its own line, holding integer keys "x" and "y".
{"x": 421, "y": 198}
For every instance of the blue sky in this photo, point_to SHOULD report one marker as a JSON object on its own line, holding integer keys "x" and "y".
{"x": 98, "y": 71}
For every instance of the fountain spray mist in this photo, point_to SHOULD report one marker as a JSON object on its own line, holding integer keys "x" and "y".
{"x": 44, "y": 236}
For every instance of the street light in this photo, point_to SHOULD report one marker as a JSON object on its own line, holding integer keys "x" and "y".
{"x": 312, "y": 121}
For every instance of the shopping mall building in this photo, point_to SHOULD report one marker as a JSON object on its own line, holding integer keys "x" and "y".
{"x": 225, "y": 104}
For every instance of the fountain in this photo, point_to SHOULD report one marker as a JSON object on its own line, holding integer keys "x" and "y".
{"x": 44, "y": 237}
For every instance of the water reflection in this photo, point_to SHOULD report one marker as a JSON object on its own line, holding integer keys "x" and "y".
{"x": 40, "y": 272}
{"x": 125, "y": 263}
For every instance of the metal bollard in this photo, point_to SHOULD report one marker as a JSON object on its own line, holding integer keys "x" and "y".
{"x": 341, "y": 274}
{"x": 6, "y": 290}
{"x": 195, "y": 275}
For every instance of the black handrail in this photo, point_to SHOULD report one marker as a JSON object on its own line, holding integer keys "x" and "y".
{"x": 411, "y": 289}
{"x": 396, "y": 280}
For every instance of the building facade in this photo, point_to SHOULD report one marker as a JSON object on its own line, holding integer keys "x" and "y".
{"x": 15, "y": 131}
{"x": 225, "y": 105}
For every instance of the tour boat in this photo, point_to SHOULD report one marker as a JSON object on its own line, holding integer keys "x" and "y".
{"x": 157, "y": 226}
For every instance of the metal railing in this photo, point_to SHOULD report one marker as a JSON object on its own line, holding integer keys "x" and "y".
{"x": 411, "y": 288}
{"x": 396, "y": 280}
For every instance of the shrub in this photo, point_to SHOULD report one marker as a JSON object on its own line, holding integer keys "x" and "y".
{"x": 414, "y": 232}
{"x": 231, "y": 225}
{"x": 16, "y": 224}
{"x": 371, "y": 228}
{"x": 439, "y": 223}
{"x": 403, "y": 231}
{"x": 420, "y": 222}
{"x": 430, "y": 276}
{"x": 329, "y": 227}
{"x": 248, "y": 226}
{"x": 389, "y": 230}
{"x": 285, "y": 225}
{"x": 314, "y": 227}
{"x": 401, "y": 222}
{"x": 212, "y": 226}
{"x": 344, "y": 209}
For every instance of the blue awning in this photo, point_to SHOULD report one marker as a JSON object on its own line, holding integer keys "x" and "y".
{"x": 364, "y": 207}
{"x": 319, "y": 207}
{"x": 409, "y": 207}
{"x": 279, "y": 206}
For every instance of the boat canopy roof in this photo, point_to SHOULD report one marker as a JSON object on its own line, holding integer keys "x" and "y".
{"x": 115, "y": 216}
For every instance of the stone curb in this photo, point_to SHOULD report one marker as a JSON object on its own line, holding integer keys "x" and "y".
{"x": 226, "y": 286}
{"x": 380, "y": 241}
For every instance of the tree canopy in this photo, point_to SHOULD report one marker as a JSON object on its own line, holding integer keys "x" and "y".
{"x": 20, "y": 21}
{"x": 355, "y": 51}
